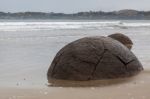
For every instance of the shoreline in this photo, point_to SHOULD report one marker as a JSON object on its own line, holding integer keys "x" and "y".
{"x": 137, "y": 88}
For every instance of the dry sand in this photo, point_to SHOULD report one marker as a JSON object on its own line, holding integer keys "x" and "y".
{"x": 137, "y": 87}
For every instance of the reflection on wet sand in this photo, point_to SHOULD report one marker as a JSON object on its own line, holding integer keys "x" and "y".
{"x": 93, "y": 83}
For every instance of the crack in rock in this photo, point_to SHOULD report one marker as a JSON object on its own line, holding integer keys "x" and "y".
{"x": 95, "y": 67}
{"x": 85, "y": 61}
{"x": 130, "y": 61}
{"x": 55, "y": 64}
{"x": 123, "y": 61}
{"x": 125, "y": 64}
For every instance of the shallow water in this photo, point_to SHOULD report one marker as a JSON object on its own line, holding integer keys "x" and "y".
{"x": 28, "y": 48}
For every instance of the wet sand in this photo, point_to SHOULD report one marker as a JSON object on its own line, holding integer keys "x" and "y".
{"x": 135, "y": 88}
{"x": 25, "y": 56}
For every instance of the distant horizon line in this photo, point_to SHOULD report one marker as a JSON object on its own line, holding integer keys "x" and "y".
{"x": 73, "y": 12}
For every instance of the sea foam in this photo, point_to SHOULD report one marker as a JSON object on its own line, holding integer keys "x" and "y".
{"x": 34, "y": 26}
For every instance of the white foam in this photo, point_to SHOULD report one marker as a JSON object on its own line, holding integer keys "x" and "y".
{"x": 33, "y": 26}
{"x": 30, "y": 26}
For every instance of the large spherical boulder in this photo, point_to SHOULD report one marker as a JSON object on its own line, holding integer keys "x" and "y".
{"x": 94, "y": 58}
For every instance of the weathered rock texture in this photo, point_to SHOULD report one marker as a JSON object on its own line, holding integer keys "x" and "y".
{"x": 125, "y": 40}
{"x": 94, "y": 58}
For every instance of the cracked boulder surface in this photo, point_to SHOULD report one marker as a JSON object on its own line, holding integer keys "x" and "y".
{"x": 94, "y": 58}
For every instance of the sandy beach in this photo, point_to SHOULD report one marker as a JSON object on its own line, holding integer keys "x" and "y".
{"x": 71, "y": 49}
{"x": 136, "y": 88}
{"x": 27, "y": 52}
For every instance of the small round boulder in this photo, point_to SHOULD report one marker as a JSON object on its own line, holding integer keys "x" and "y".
{"x": 93, "y": 58}
{"x": 125, "y": 40}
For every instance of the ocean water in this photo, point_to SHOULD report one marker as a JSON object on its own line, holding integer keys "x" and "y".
{"x": 27, "y": 47}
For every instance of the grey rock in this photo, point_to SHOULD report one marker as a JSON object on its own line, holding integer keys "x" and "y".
{"x": 125, "y": 40}
{"x": 94, "y": 58}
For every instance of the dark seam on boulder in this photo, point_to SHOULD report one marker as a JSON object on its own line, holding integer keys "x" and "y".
{"x": 95, "y": 67}
{"x": 121, "y": 59}
{"x": 94, "y": 51}
{"x": 130, "y": 61}
{"x": 82, "y": 60}
{"x": 53, "y": 69}
{"x": 93, "y": 46}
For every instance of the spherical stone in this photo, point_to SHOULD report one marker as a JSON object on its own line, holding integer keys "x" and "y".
{"x": 125, "y": 40}
{"x": 94, "y": 58}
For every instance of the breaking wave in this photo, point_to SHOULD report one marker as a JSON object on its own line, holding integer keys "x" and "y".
{"x": 31, "y": 26}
